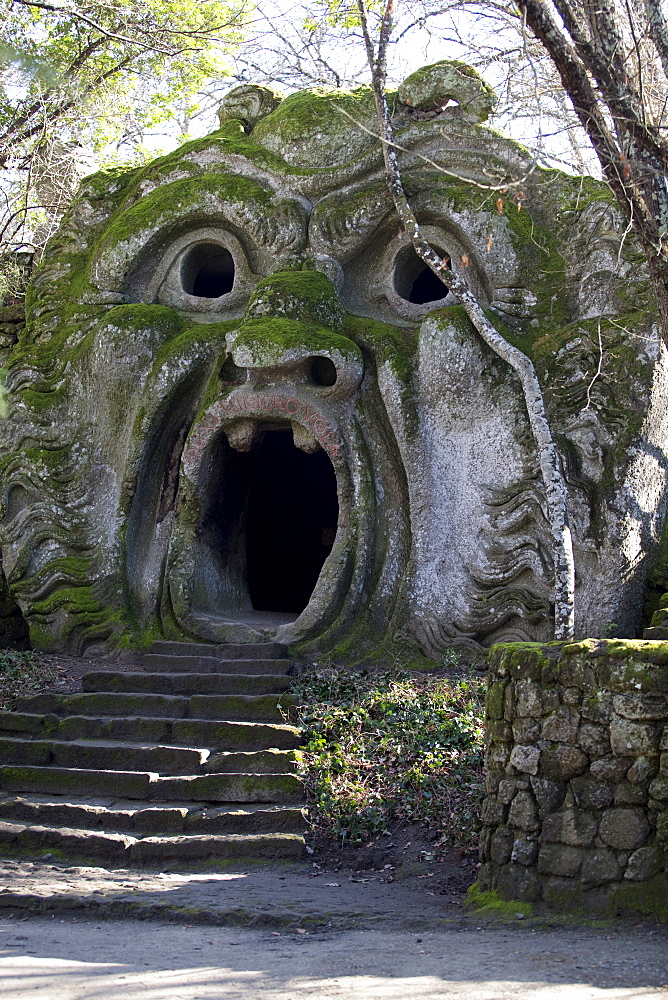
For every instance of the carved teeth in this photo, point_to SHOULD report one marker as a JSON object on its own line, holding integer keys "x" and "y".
{"x": 303, "y": 439}
{"x": 242, "y": 434}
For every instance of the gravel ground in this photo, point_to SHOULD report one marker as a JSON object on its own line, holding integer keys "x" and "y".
{"x": 69, "y": 959}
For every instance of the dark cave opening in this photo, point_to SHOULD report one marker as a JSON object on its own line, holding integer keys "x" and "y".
{"x": 291, "y": 518}
{"x": 207, "y": 271}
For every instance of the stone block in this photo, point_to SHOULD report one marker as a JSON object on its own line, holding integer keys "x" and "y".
{"x": 519, "y": 882}
{"x": 523, "y": 812}
{"x": 492, "y": 781}
{"x": 627, "y": 794}
{"x": 557, "y": 859}
{"x": 664, "y": 739}
{"x": 524, "y": 851}
{"x": 526, "y": 730}
{"x": 499, "y": 731}
{"x": 591, "y": 794}
{"x": 501, "y": 845}
{"x": 663, "y": 763}
{"x": 611, "y": 769}
{"x": 494, "y": 702}
{"x": 525, "y": 759}
{"x": 597, "y": 707}
{"x": 506, "y": 790}
{"x": 549, "y": 794}
{"x": 528, "y": 700}
{"x": 643, "y": 864}
{"x": 600, "y": 865}
{"x": 625, "y": 829}
{"x": 662, "y": 829}
{"x": 561, "y": 761}
{"x": 637, "y": 739}
{"x": 493, "y": 812}
{"x": 641, "y": 771}
{"x": 498, "y": 755}
{"x": 572, "y": 696}
{"x": 576, "y": 827}
{"x": 594, "y": 739}
{"x": 561, "y": 726}
{"x": 641, "y": 707}
{"x": 659, "y": 788}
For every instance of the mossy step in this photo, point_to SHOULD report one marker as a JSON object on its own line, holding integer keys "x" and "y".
{"x": 150, "y": 818}
{"x": 123, "y": 847}
{"x": 154, "y": 662}
{"x": 278, "y": 788}
{"x": 656, "y": 632}
{"x": 108, "y": 756}
{"x": 239, "y": 708}
{"x": 222, "y": 651}
{"x": 183, "y": 683}
{"x": 253, "y": 762}
{"x": 183, "y": 732}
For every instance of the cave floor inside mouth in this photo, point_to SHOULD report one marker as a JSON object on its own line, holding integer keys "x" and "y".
{"x": 255, "y": 618}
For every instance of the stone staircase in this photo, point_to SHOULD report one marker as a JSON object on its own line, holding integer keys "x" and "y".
{"x": 187, "y": 759}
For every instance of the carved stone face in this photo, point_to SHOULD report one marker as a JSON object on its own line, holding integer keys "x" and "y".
{"x": 243, "y": 408}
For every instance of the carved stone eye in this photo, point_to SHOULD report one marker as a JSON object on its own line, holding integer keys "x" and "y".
{"x": 323, "y": 371}
{"x": 207, "y": 271}
{"x": 414, "y": 281}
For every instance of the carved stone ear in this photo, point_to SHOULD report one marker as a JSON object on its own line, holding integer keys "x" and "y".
{"x": 249, "y": 103}
{"x": 431, "y": 88}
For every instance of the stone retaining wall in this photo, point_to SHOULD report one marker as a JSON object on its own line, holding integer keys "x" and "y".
{"x": 576, "y": 810}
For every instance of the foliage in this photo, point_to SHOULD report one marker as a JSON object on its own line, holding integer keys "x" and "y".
{"x": 392, "y": 745}
{"x": 22, "y": 673}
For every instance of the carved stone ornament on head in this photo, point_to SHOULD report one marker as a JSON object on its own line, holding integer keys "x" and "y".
{"x": 245, "y": 410}
{"x": 249, "y": 103}
{"x": 434, "y": 88}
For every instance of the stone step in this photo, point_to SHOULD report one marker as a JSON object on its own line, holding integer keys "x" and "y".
{"x": 239, "y": 708}
{"x": 106, "y": 756}
{"x": 222, "y": 651}
{"x": 240, "y": 736}
{"x": 182, "y": 683}
{"x": 118, "y": 816}
{"x": 125, "y": 848}
{"x": 277, "y": 788}
{"x": 154, "y": 662}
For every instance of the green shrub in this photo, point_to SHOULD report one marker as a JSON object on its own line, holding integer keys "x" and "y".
{"x": 382, "y": 747}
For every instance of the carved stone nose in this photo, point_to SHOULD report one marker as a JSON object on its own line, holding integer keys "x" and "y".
{"x": 308, "y": 296}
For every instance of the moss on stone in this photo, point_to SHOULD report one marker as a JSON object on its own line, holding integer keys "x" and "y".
{"x": 266, "y": 342}
{"x": 490, "y": 903}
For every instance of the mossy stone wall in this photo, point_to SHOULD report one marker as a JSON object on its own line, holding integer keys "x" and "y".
{"x": 576, "y": 810}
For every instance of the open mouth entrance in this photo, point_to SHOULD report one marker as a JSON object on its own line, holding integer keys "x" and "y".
{"x": 290, "y": 523}
{"x": 269, "y": 523}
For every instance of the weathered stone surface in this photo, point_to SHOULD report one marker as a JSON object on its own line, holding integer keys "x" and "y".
{"x": 525, "y": 759}
{"x": 590, "y": 794}
{"x": 523, "y": 813}
{"x": 600, "y": 865}
{"x": 576, "y": 827}
{"x": 594, "y": 740}
{"x": 501, "y": 845}
{"x": 517, "y": 881}
{"x": 430, "y": 89}
{"x": 643, "y": 864}
{"x": 611, "y": 769}
{"x": 633, "y": 738}
{"x": 526, "y": 730}
{"x": 561, "y": 726}
{"x": 556, "y": 859}
{"x": 659, "y": 788}
{"x": 528, "y": 699}
{"x": 641, "y": 706}
{"x": 506, "y": 789}
{"x": 561, "y": 761}
{"x": 525, "y": 851}
{"x": 493, "y": 812}
{"x": 625, "y": 829}
{"x": 641, "y": 770}
{"x": 627, "y": 794}
{"x": 549, "y": 794}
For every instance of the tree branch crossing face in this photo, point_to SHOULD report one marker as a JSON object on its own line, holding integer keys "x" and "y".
{"x": 243, "y": 408}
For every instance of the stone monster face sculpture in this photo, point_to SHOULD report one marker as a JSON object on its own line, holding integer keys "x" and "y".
{"x": 242, "y": 408}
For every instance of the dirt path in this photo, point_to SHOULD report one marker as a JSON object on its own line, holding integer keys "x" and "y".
{"x": 70, "y": 959}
